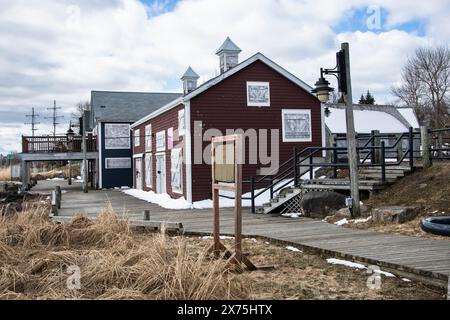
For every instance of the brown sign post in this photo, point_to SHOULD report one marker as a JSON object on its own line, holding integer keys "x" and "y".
{"x": 226, "y": 162}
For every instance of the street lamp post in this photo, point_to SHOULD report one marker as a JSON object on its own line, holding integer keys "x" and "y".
{"x": 323, "y": 89}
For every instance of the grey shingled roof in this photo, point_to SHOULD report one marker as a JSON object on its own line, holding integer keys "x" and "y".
{"x": 109, "y": 106}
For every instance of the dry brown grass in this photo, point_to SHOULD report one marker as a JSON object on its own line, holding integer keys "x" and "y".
{"x": 114, "y": 262}
{"x": 119, "y": 263}
{"x": 5, "y": 174}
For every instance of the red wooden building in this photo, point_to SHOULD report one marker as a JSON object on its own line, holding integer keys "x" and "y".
{"x": 256, "y": 96}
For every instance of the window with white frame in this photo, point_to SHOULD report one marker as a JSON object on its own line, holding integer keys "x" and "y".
{"x": 176, "y": 170}
{"x": 258, "y": 94}
{"x": 296, "y": 125}
{"x": 148, "y": 138}
{"x": 137, "y": 137}
{"x": 148, "y": 170}
{"x": 118, "y": 163}
{"x": 117, "y": 136}
{"x": 181, "y": 123}
{"x": 161, "y": 141}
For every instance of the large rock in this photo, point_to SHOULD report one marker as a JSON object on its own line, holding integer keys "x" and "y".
{"x": 317, "y": 204}
{"x": 395, "y": 214}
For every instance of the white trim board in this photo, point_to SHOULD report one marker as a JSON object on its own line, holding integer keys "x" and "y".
{"x": 188, "y": 151}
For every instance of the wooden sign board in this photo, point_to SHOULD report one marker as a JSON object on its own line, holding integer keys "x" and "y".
{"x": 225, "y": 162}
{"x": 226, "y": 167}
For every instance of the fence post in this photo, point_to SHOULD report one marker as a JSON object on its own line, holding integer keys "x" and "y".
{"x": 335, "y": 160}
{"x": 311, "y": 167}
{"x": 426, "y": 147}
{"x": 58, "y": 194}
{"x": 383, "y": 162}
{"x": 252, "y": 186}
{"x": 294, "y": 157}
{"x": 411, "y": 148}
{"x": 400, "y": 147}
{"x": 271, "y": 187}
{"x": 439, "y": 145}
{"x": 69, "y": 164}
{"x": 375, "y": 147}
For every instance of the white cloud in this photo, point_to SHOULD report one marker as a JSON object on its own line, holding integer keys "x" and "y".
{"x": 64, "y": 49}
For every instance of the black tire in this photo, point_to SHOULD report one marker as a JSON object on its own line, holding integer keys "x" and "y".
{"x": 436, "y": 225}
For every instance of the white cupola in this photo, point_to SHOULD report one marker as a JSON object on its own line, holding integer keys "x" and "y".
{"x": 189, "y": 80}
{"x": 229, "y": 55}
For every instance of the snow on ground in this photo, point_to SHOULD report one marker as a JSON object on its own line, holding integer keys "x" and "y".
{"x": 362, "y": 220}
{"x": 221, "y": 238}
{"x": 292, "y": 215}
{"x": 359, "y": 266}
{"x": 165, "y": 201}
{"x": 346, "y": 263}
{"x": 341, "y": 222}
{"x": 55, "y": 179}
{"x": 294, "y": 249}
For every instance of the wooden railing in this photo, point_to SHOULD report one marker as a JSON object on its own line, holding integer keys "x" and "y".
{"x": 57, "y": 144}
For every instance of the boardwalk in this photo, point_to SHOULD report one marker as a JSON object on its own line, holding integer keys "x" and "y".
{"x": 416, "y": 258}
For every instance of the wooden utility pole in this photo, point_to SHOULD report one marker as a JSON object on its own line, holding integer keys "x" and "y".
{"x": 351, "y": 136}
{"x": 426, "y": 147}
{"x": 84, "y": 147}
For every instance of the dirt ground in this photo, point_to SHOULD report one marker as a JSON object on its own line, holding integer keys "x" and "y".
{"x": 426, "y": 189}
{"x": 301, "y": 275}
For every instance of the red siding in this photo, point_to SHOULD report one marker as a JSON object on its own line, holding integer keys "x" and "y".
{"x": 224, "y": 106}
{"x": 162, "y": 122}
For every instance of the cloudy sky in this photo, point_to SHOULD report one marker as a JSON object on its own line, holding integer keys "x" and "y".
{"x": 63, "y": 49}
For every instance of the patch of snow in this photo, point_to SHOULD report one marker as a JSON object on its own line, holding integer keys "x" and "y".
{"x": 362, "y": 220}
{"x": 125, "y": 188}
{"x": 55, "y": 179}
{"x": 406, "y": 280}
{"x": 358, "y": 266}
{"x": 292, "y": 215}
{"x": 252, "y": 240}
{"x": 163, "y": 200}
{"x": 294, "y": 249}
{"x": 346, "y": 263}
{"x": 384, "y": 273}
{"x": 341, "y": 222}
{"x": 221, "y": 238}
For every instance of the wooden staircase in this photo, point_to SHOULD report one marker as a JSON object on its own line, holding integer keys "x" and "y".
{"x": 370, "y": 180}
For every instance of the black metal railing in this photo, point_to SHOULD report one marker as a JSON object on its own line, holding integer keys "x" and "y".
{"x": 374, "y": 150}
{"x": 369, "y": 155}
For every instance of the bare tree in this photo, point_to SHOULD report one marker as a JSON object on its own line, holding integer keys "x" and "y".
{"x": 426, "y": 85}
{"x": 79, "y": 109}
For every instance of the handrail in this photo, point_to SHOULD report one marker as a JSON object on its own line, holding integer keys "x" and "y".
{"x": 297, "y": 160}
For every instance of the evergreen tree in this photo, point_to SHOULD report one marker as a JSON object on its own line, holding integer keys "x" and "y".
{"x": 362, "y": 100}
{"x": 369, "y": 98}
